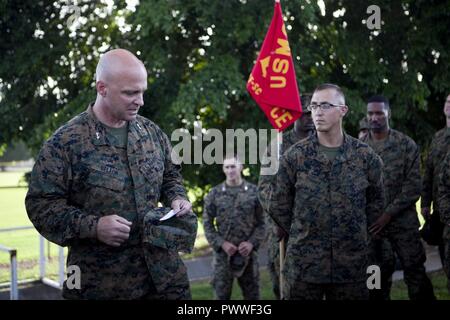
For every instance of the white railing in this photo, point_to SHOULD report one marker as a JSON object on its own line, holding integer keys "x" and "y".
{"x": 14, "y": 290}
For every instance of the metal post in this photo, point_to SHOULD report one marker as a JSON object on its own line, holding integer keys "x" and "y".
{"x": 14, "y": 293}
{"x": 14, "y": 289}
{"x": 61, "y": 266}
{"x": 41, "y": 257}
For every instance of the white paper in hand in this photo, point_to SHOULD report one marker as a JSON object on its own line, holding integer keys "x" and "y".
{"x": 169, "y": 215}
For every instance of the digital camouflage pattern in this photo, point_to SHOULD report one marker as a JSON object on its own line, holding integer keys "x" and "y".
{"x": 402, "y": 183}
{"x": 435, "y": 158}
{"x": 265, "y": 184}
{"x": 444, "y": 207}
{"x": 402, "y": 180}
{"x": 223, "y": 277}
{"x": 80, "y": 176}
{"x": 175, "y": 234}
{"x": 234, "y": 214}
{"x": 326, "y": 207}
{"x": 444, "y": 191}
{"x": 438, "y": 149}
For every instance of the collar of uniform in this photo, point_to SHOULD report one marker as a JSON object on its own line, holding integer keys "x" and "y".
{"x": 244, "y": 185}
{"x": 347, "y": 150}
{"x": 136, "y": 129}
{"x": 344, "y": 156}
{"x": 137, "y": 135}
{"x": 391, "y": 133}
{"x": 98, "y": 131}
{"x": 391, "y": 137}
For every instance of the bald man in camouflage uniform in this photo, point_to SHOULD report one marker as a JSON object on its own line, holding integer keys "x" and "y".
{"x": 95, "y": 180}
{"x": 438, "y": 149}
{"x": 303, "y": 128}
{"x": 329, "y": 188}
{"x": 234, "y": 226}
{"x": 399, "y": 222}
{"x": 443, "y": 202}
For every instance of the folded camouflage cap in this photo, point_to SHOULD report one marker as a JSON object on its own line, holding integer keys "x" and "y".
{"x": 176, "y": 233}
{"x": 238, "y": 263}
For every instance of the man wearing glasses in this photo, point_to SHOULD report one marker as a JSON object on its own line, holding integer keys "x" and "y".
{"x": 329, "y": 189}
{"x": 303, "y": 128}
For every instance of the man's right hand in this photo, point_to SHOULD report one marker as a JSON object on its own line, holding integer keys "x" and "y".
{"x": 229, "y": 248}
{"x": 113, "y": 230}
{"x": 425, "y": 211}
{"x": 379, "y": 225}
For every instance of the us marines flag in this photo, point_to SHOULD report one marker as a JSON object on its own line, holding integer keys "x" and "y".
{"x": 272, "y": 83}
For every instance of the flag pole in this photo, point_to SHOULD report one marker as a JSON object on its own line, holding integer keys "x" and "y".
{"x": 282, "y": 241}
{"x": 282, "y": 254}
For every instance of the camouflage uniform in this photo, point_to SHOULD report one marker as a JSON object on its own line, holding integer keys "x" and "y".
{"x": 400, "y": 156}
{"x": 381, "y": 249}
{"x": 326, "y": 208}
{"x": 80, "y": 176}
{"x": 443, "y": 202}
{"x": 265, "y": 184}
{"x": 436, "y": 155}
{"x": 382, "y": 254}
{"x": 234, "y": 214}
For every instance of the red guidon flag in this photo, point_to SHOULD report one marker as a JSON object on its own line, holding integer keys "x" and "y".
{"x": 272, "y": 83}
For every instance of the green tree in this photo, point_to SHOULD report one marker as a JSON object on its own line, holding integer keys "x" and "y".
{"x": 199, "y": 54}
{"x": 48, "y": 55}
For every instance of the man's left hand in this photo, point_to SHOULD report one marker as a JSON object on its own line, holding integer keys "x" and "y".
{"x": 181, "y": 206}
{"x": 245, "y": 248}
{"x": 381, "y": 222}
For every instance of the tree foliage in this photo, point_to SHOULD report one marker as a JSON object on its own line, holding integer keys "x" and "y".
{"x": 199, "y": 54}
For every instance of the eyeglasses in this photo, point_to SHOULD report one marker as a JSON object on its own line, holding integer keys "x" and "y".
{"x": 323, "y": 106}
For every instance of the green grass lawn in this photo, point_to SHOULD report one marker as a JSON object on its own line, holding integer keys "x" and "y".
{"x": 12, "y": 208}
{"x": 439, "y": 280}
{"x": 12, "y": 179}
{"x": 13, "y": 214}
{"x": 202, "y": 290}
